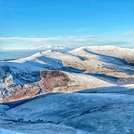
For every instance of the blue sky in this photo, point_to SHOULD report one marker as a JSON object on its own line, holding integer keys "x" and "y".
{"x": 40, "y": 24}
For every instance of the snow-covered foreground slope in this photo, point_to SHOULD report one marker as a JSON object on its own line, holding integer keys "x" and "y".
{"x": 88, "y": 112}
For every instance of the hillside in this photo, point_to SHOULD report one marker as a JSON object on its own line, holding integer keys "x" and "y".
{"x": 100, "y": 110}
{"x": 85, "y": 67}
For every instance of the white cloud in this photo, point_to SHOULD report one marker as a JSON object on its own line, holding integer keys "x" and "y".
{"x": 42, "y": 43}
{"x": 60, "y": 42}
{"x": 47, "y": 46}
{"x": 26, "y": 39}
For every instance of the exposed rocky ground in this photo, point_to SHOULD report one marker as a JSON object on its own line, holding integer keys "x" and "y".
{"x": 51, "y": 81}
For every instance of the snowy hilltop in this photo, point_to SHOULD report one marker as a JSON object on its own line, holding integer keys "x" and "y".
{"x": 88, "y": 90}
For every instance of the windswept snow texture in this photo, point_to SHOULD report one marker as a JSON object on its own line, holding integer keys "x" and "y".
{"x": 88, "y": 112}
{"x": 3, "y": 131}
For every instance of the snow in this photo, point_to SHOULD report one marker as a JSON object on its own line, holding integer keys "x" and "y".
{"x": 23, "y": 69}
{"x": 3, "y": 108}
{"x": 108, "y": 109}
{"x": 39, "y": 128}
{"x": 103, "y": 48}
{"x": 74, "y": 113}
{"x": 33, "y": 63}
{"x": 128, "y": 86}
{"x": 106, "y": 59}
{"x": 82, "y": 132}
{"x": 113, "y": 51}
{"x": 78, "y": 79}
{"x": 3, "y": 131}
{"x": 54, "y": 60}
{"x": 66, "y": 58}
{"x": 52, "y": 104}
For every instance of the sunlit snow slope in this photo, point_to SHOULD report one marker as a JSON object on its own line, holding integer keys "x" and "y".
{"x": 82, "y": 68}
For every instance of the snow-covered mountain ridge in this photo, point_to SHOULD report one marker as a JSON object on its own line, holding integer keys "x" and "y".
{"x": 86, "y": 67}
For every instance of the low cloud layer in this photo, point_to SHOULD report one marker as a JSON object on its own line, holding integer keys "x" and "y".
{"x": 32, "y": 43}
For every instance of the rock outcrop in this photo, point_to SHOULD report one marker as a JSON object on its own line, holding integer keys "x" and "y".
{"x": 51, "y": 81}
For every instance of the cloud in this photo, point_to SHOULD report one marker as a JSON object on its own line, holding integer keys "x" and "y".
{"x": 40, "y": 47}
{"x": 60, "y": 42}
{"x": 44, "y": 39}
{"x": 42, "y": 43}
{"x": 1, "y": 49}
{"x": 26, "y": 39}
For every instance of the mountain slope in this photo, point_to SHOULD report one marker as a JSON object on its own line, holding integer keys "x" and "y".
{"x": 73, "y": 113}
{"x": 86, "y": 67}
{"x": 52, "y": 81}
{"x": 114, "y": 51}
